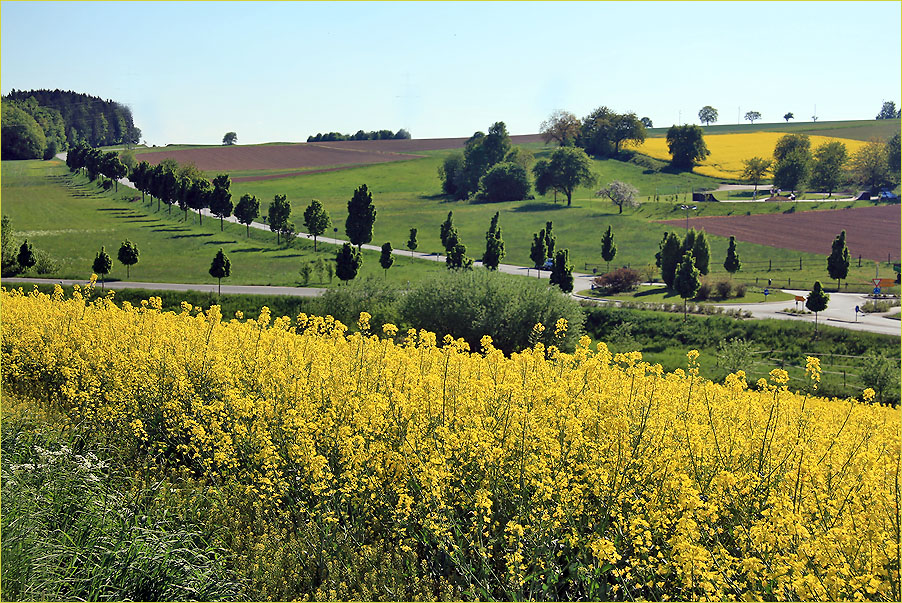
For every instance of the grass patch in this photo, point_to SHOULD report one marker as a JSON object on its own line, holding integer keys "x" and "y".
{"x": 658, "y": 294}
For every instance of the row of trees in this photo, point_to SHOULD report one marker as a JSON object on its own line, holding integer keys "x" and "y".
{"x": 829, "y": 167}
{"x": 401, "y": 134}
{"x": 96, "y": 163}
{"x": 602, "y": 133}
{"x": 708, "y": 114}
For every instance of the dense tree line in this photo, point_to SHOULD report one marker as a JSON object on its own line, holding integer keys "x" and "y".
{"x": 87, "y": 119}
{"x": 602, "y": 133}
{"x": 401, "y": 134}
{"x": 31, "y": 131}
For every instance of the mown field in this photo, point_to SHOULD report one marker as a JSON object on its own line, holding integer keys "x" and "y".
{"x": 277, "y": 459}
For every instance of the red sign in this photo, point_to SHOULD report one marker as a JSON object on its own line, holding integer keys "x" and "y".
{"x": 799, "y": 298}
{"x": 883, "y": 282}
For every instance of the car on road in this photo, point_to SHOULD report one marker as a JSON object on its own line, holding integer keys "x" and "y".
{"x": 548, "y": 265}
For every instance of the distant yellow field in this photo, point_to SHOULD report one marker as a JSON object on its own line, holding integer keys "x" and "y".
{"x": 728, "y": 151}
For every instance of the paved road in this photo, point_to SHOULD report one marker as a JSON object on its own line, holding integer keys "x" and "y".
{"x": 840, "y": 312}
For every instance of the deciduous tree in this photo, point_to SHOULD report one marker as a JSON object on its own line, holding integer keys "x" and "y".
{"x": 686, "y": 281}
{"x": 707, "y": 115}
{"x": 128, "y": 256}
{"x": 621, "y": 194}
{"x": 668, "y": 257}
{"x": 888, "y": 111}
{"x": 504, "y": 181}
{"x": 316, "y": 220}
{"x": 752, "y": 116}
{"x": 869, "y": 166}
{"x": 230, "y": 138}
{"x": 817, "y": 301}
{"x": 568, "y": 168}
{"x": 686, "y": 145}
{"x": 279, "y": 212}
{"x": 102, "y": 265}
{"x": 220, "y": 268}
{"x": 561, "y": 127}
{"x": 701, "y": 252}
{"x": 221, "y": 198}
{"x": 827, "y": 168}
{"x": 754, "y": 170}
{"x": 247, "y": 210}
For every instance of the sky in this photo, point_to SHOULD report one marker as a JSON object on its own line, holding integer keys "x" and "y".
{"x": 281, "y": 71}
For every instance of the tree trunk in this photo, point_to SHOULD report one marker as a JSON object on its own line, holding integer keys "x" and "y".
{"x": 127, "y": 271}
{"x": 620, "y": 206}
{"x": 200, "y": 217}
{"x": 569, "y": 195}
{"x": 219, "y": 291}
{"x": 220, "y": 223}
{"x": 248, "y": 227}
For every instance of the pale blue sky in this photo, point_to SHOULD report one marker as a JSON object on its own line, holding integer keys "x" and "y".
{"x": 281, "y": 71}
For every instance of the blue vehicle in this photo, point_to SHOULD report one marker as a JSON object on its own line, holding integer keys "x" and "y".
{"x": 548, "y": 265}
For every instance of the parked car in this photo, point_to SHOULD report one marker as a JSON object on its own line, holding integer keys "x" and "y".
{"x": 548, "y": 265}
{"x": 889, "y": 196}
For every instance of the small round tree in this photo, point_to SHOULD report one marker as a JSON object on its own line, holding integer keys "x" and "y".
{"x": 817, "y": 301}
{"x": 686, "y": 281}
{"x": 128, "y": 255}
{"x": 102, "y": 265}
{"x": 316, "y": 220}
{"x": 220, "y": 268}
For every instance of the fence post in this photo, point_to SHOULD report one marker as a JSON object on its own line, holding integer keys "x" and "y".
{"x": 788, "y": 283}
{"x": 770, "y": 265}
{"x": 859, "y": 260}
{"x": 800, "y": 263}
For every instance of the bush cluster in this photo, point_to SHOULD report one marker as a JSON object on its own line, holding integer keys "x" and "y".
{"x": 621, "y": 280}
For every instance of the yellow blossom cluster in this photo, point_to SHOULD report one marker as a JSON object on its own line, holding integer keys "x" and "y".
{"x": 535, "y": 475}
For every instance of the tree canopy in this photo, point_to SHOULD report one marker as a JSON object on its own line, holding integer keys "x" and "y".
{"x": 361, "y": 217}
{"x": 686, "y": 145}
{"x": 621, "y": 194}
{"x": 752, "y": 116}
{"x": 707, "y": 115}
{"x": 230, "y": 138}
{"x": 561, "y": 127}
{"x": 567, "y": 169}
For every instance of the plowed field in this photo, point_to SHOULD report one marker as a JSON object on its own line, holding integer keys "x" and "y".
{"x": 308, "y": 155}
{"x": 872, "y": 232}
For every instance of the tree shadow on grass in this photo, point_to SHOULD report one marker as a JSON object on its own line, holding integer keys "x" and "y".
{"x": 174, "y": 229}
{"x": 119, "y": 210}
{"x": 192, "y": 236}
{"x": 530, "y": 207}
{"x": 220, "y": 242}
{"x": 657, "y": 290}
{"x": 154, "y": 220}
{"x": 250, "y": 250}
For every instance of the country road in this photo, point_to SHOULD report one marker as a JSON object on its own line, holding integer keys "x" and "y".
{"x": 840, "y": 311}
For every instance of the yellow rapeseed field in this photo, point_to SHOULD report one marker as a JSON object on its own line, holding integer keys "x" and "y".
{"x": 728, "y": 151}
{"x": 511, "y": 474}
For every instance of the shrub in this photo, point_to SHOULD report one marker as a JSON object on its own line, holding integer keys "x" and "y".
{"x": 739, "y": 289}
{"x": 45, "y": 263}
{"x": 724, "y": 288}
{"x": 504, "y": 182}
{"x": 704, "y": 291}
{"x": 470, "y": 304}
{"x": 618, "y": 281}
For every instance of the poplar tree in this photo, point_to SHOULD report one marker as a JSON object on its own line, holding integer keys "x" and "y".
{"x": 361, "y": 217}
{"x": 445, "y": 230}
{"x": 701, "y": 252}
{"x": 221, "y": 198}
{"x": 412, "y": 241}
{"x": 732, "y": 264}
{"x": 538, "y": 251}
{"x": 838, "y": 261}
{"x": 494, "y": 245}
{"x": 549, "y": 239}
{"x": 386, "y": 260}
{"x": 26, "y": 257}
{"x": 668, "y": 258}
{"x": 686, "y": 281}
{"x": 608, "y": 247}
{"x": 562, "y": 271}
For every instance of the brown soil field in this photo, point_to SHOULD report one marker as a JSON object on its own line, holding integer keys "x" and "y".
{"x": 872, "y": 232}
{"x": 272, "y": 157}
{"x": 307, "y": 155}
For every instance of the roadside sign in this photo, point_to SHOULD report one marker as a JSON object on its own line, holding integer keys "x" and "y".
{"x": 766, "y": 292}
{"x": 876, "y": 290}
{"x": 883, "y": 282}
{"x": 800, "y": 298}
